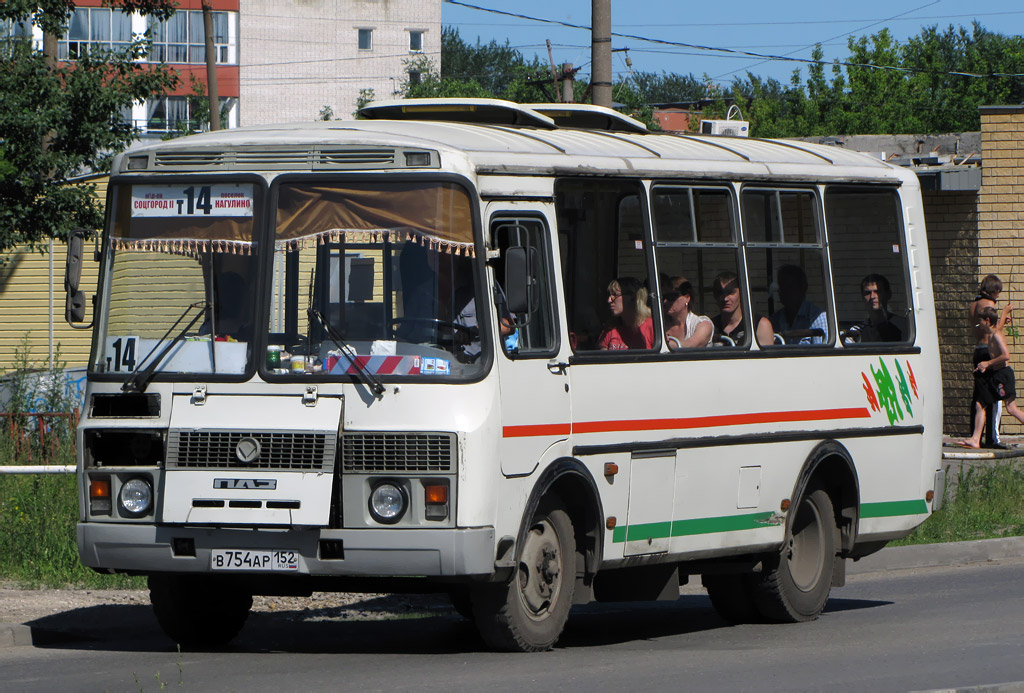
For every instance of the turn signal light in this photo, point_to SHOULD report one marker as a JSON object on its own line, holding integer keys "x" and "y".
{"x": 611, "y": 469}
{"x": 99, "y": 488}
{"x": 784, "y": 505}
{"x": 610, "y": 522}
{"x": 929, "y": 496}
{"x": 99, "y": 496}
{"x": 435, "y": 494}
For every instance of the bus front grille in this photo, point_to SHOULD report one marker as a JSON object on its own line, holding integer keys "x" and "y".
{"x": 287, "y": 450}
{"x": 397, "y": 452}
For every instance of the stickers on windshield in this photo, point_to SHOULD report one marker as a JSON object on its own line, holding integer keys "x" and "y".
{"x": 394, "y": 365}
{"x": 220, "y": 200}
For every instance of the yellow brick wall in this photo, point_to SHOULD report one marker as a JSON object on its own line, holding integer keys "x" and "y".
{"x": 1001, "y": 220}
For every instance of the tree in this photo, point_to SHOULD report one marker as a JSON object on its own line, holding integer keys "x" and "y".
{"x": 60, "y": 121}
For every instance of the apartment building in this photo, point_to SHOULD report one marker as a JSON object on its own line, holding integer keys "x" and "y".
{"x": 277, "y": 60}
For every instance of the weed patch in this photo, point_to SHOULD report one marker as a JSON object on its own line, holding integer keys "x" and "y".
{"x": 988, "y": 503}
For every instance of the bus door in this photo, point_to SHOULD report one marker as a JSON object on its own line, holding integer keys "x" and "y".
{"x": 531, "y": 360}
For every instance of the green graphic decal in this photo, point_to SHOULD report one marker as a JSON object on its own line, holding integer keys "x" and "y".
{"x": 887, "y": 392}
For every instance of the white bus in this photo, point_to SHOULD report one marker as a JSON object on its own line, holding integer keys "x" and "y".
{"x": 463, "y": 346}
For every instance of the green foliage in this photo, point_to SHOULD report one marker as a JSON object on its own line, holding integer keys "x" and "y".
{"x": 495, "y": 69}
{"x": 668, "y": 87}
{"x": 989, "y": 503}
{"x": 57, "y": 122}
{"x": 38, "y": 512}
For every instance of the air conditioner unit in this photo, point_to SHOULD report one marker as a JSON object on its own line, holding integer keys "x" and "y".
{"x": 735, "y": 128}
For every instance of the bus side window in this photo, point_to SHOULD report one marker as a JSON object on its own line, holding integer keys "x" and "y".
{"x": 530, "y": 332}
{"x": 695, "y": 242}
{"x": 786, "y": 265}
{"x": 869, "y": 265}
{"x": 601, "y": 231}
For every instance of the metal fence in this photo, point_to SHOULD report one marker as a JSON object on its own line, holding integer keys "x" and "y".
{"x": 35, "y": 438}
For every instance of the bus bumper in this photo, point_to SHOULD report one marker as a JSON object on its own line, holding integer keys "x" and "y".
{"x": 377, "y": 552}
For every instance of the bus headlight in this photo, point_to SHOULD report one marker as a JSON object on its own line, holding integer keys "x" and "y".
{"x": 388, "y": 502}
{"x": 136, "y": 497}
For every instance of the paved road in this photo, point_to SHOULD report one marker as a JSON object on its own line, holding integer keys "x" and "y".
{"x": 906, "y": 630}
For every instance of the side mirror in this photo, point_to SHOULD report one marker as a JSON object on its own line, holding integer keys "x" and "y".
{"x": 74, "y": 307}
{"x": 73, "y": 264}
{"x": 520, "y": 276}
{"x": 74, "y": 302}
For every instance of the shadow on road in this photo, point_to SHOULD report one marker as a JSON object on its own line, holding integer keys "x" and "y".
{"x": 430, "y": 626}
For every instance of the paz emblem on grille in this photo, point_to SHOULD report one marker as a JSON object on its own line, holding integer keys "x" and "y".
{"x": 247, "y": 450}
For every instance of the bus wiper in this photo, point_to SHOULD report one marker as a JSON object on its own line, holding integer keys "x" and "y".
{"x": 368, "y": 378}
{"x": 138, "y": 379}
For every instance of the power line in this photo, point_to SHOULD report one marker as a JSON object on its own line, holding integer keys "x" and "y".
{"x": 732, "y": 51}
{"x": 868, "y": 26}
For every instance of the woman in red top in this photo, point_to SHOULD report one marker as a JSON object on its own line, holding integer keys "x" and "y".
{"x": 632, "y": 326}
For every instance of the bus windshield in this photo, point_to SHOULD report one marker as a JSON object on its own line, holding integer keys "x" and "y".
{"x": 373, "y": 276}
{"x": 180, "y": 278}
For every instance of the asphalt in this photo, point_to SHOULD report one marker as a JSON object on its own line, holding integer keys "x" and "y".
{"x": 888, "y": 559}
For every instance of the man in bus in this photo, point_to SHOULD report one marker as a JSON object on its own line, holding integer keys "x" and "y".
{"x": 880, "y": 325}
{"x": 798, "y": 321}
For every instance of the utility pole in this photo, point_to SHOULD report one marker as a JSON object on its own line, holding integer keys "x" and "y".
{"x": 568, "y": 79}
{"x": 211, "y": 67}
{"x": 601, "y": 52}
{"x": 554, "y": 75}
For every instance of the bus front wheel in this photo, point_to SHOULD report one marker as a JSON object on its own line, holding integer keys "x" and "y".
{"x": 794, "y": 584}
{"x": 528, "y": 613}
{"x": 197, "y": 611}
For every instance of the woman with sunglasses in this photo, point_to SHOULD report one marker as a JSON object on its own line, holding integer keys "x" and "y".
{"x": 683, "y": 327}
{"x": 632, "y": 326}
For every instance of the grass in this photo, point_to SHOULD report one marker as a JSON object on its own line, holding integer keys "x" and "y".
{"x": 38, "y": 514}
{"x": 988, "y": 503}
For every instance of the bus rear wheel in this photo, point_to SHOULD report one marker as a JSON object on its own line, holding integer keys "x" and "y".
{"x": 529, "y": 612}
{"x": 197, "y": 611}
{"x": 794, "y": 584}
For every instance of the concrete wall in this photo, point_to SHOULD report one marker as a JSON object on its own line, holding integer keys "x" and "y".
{"x": 298, "y": 56}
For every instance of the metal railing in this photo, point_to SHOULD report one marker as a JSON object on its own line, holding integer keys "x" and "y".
{"x": 36, "y": 437}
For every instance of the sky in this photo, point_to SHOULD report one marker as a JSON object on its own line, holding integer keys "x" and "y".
{"x": 789, "y": 29}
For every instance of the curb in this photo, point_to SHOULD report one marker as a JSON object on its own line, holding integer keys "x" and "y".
{"x": 15, "y": 635}
{"x": 935, "y": 555}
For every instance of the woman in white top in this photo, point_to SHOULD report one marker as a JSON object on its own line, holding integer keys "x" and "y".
{"x": 683, "y": 328}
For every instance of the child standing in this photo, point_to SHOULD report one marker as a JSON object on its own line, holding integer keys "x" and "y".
{"x": 993, "y": 378}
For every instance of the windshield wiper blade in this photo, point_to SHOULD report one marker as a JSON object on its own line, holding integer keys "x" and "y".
{"x": 368, "y": 378}
{"x": 139, "y": 378}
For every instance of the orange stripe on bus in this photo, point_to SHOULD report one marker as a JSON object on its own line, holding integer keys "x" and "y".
{"x": 694, "y": 422}
{"x": 532, "y": 430}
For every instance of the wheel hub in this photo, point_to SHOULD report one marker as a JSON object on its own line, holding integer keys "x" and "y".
{"x": 540, "y": 569}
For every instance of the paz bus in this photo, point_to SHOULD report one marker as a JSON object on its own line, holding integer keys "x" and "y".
{"x": 368, "y": 356}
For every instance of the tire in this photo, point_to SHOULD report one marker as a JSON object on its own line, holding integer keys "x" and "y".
{"x": 529, "y": 612}
{"x": 794, "y": 584}
{"x": 197, "y": 611}
{"x": 732, "y": 596}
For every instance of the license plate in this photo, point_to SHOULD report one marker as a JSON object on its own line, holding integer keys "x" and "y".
{"x": 241, "y": 559}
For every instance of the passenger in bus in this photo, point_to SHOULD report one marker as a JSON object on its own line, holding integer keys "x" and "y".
{"x": 879, "y": 325}
{"x": 799, "y": 321}
{"x": 729, "y": 326}
{"x": 683, "y": 327}
{"x": 632, "y": 326}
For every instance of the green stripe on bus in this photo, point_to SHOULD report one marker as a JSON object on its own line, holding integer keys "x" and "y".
{"x": 893, "y": 508}
{"x": 682, "y": 528}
